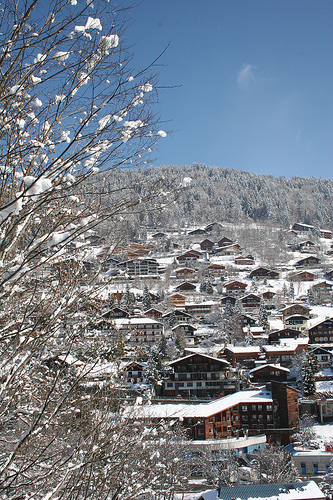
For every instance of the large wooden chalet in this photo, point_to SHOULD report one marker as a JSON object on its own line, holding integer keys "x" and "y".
{"x": 273, "y": 412}
{"x": 321, "y": 331}
{"x": 200, "y": 376}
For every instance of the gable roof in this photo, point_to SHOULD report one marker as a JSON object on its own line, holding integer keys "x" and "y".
{"x": 272, "y": 491}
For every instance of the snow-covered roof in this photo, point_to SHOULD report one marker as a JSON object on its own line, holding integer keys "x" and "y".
{"x": 275, "y": 367}
{"x": 118, "y": 322}
{"x": 204, "y": 410}
{"x": 308, "y": 490}
{"x": 199, "y": 354}
{"x": 243, "y": 349}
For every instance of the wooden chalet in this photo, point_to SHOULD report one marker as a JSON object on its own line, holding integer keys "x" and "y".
{"x": 285, "y": 333}
{"x": 298, "y": 226}
{"x": 284, "y": 354}
{"x": 140, "y": 267}
{"x": 177, "y": 316}
{"x": 154, "y": 313}
{"x": 134, "y": 372}
{"x": 235, "y": 286}
{"x": 186, "y": 273}
{"x": 321, "y": 331}
{"x": 245, "y": 356}
{"x": 186, "y": 287}
{"x": 302, "y": 276}
{"x": 200, "y": 376}
{"x": 200, "y": 309}
{"x": 228, "y": 299}
{"x": 233, "y": 249}
{"x": 224, "y": 242}
{"x": 268, "y": 372}
{"x": 325, "y": 233}
{"x": 197, "y": 231}
{"x": 244, "y": 261}
{"x": 263, "y": 272}
{"x": 187, "y": 330}
{"x": 206, "y": 245}
{"x": 268, "y": 295}
{"x": 116, "y": 312}
{"x": 250, "y": 301}
{"x": 296, "y": 321}
{"x": 177, "y": 299}
{"x": 189, "y": 256}
{"x": 214, "y": 226}
{"x": 216, "y": 269}
{"x": 323, "y": 356}
{"x": 310, "y": 261}
{"x": 296, "y": 309}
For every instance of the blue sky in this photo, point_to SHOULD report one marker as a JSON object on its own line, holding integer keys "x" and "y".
{"x": 253, "y": 82}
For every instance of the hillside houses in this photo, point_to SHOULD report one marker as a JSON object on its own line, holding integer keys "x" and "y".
{"x": 244, "y": 322}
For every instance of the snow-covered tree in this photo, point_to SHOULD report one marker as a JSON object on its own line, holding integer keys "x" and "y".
{"x": 70, "y": 106}
{"x": 146, "y": 298}
{"x": 309, "y": 370}
{"x": 273, "y": 464}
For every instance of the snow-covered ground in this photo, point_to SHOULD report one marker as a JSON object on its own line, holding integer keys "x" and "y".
{"x": 324, "y": 434}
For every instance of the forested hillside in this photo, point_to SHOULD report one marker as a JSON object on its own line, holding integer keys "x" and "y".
{"x": 223, "y": 194}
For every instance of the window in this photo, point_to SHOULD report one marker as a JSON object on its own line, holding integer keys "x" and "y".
{"x": 259, "y": 407}
{"x": 169, "y": 384}
{"x": 254, "y": 407}
{"x": 269, "y": 407}
{"x": 244, "y": 407}
{"x": 303, "y": 468}
{"x": 315, "y": 467}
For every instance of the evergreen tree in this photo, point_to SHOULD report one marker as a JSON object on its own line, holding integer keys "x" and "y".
{"x": 291, "y": 293}
{"x": 120, "y": 347}
{"x": 209, "y": 288}
{"x": 146, "y": 299}
{"x": 310, "y": 368}
{"x": 129, "y": 300}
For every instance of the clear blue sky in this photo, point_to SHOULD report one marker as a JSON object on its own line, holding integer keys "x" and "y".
{"x": 255, "y": 82}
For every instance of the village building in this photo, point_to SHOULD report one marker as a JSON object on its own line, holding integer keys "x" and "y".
{"x": 244, "y": 261}
{"x": 283, "y": 354}
{"x": 139, "y": 267}
{"x": 250, "y": 301}
{"x": 201, "y": 376}
{"x": 186, "y": 287}
{"x": 286, "y": 333}
{"x": 138, "y": 330}
{"x": 177, "y": 300}
{"x": 295, "y": 309}
{"x": 188, "y": 332}
{"x": 199, "y": 310}
{"x": 320, "y": 331}
{"x": 263, "y": 272}
{"x": 245, "y": 356}
{"x": 254, "y": 412}
{"x": 310, "y": 261}
{"x": 296, "y": 322}
{"x": 235, "y": 287}
{"x": 206, "y": 245}
{"x": 323, "y": 356}
{"x": 186, "y": 273}
{"x": 267, "y": 372}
